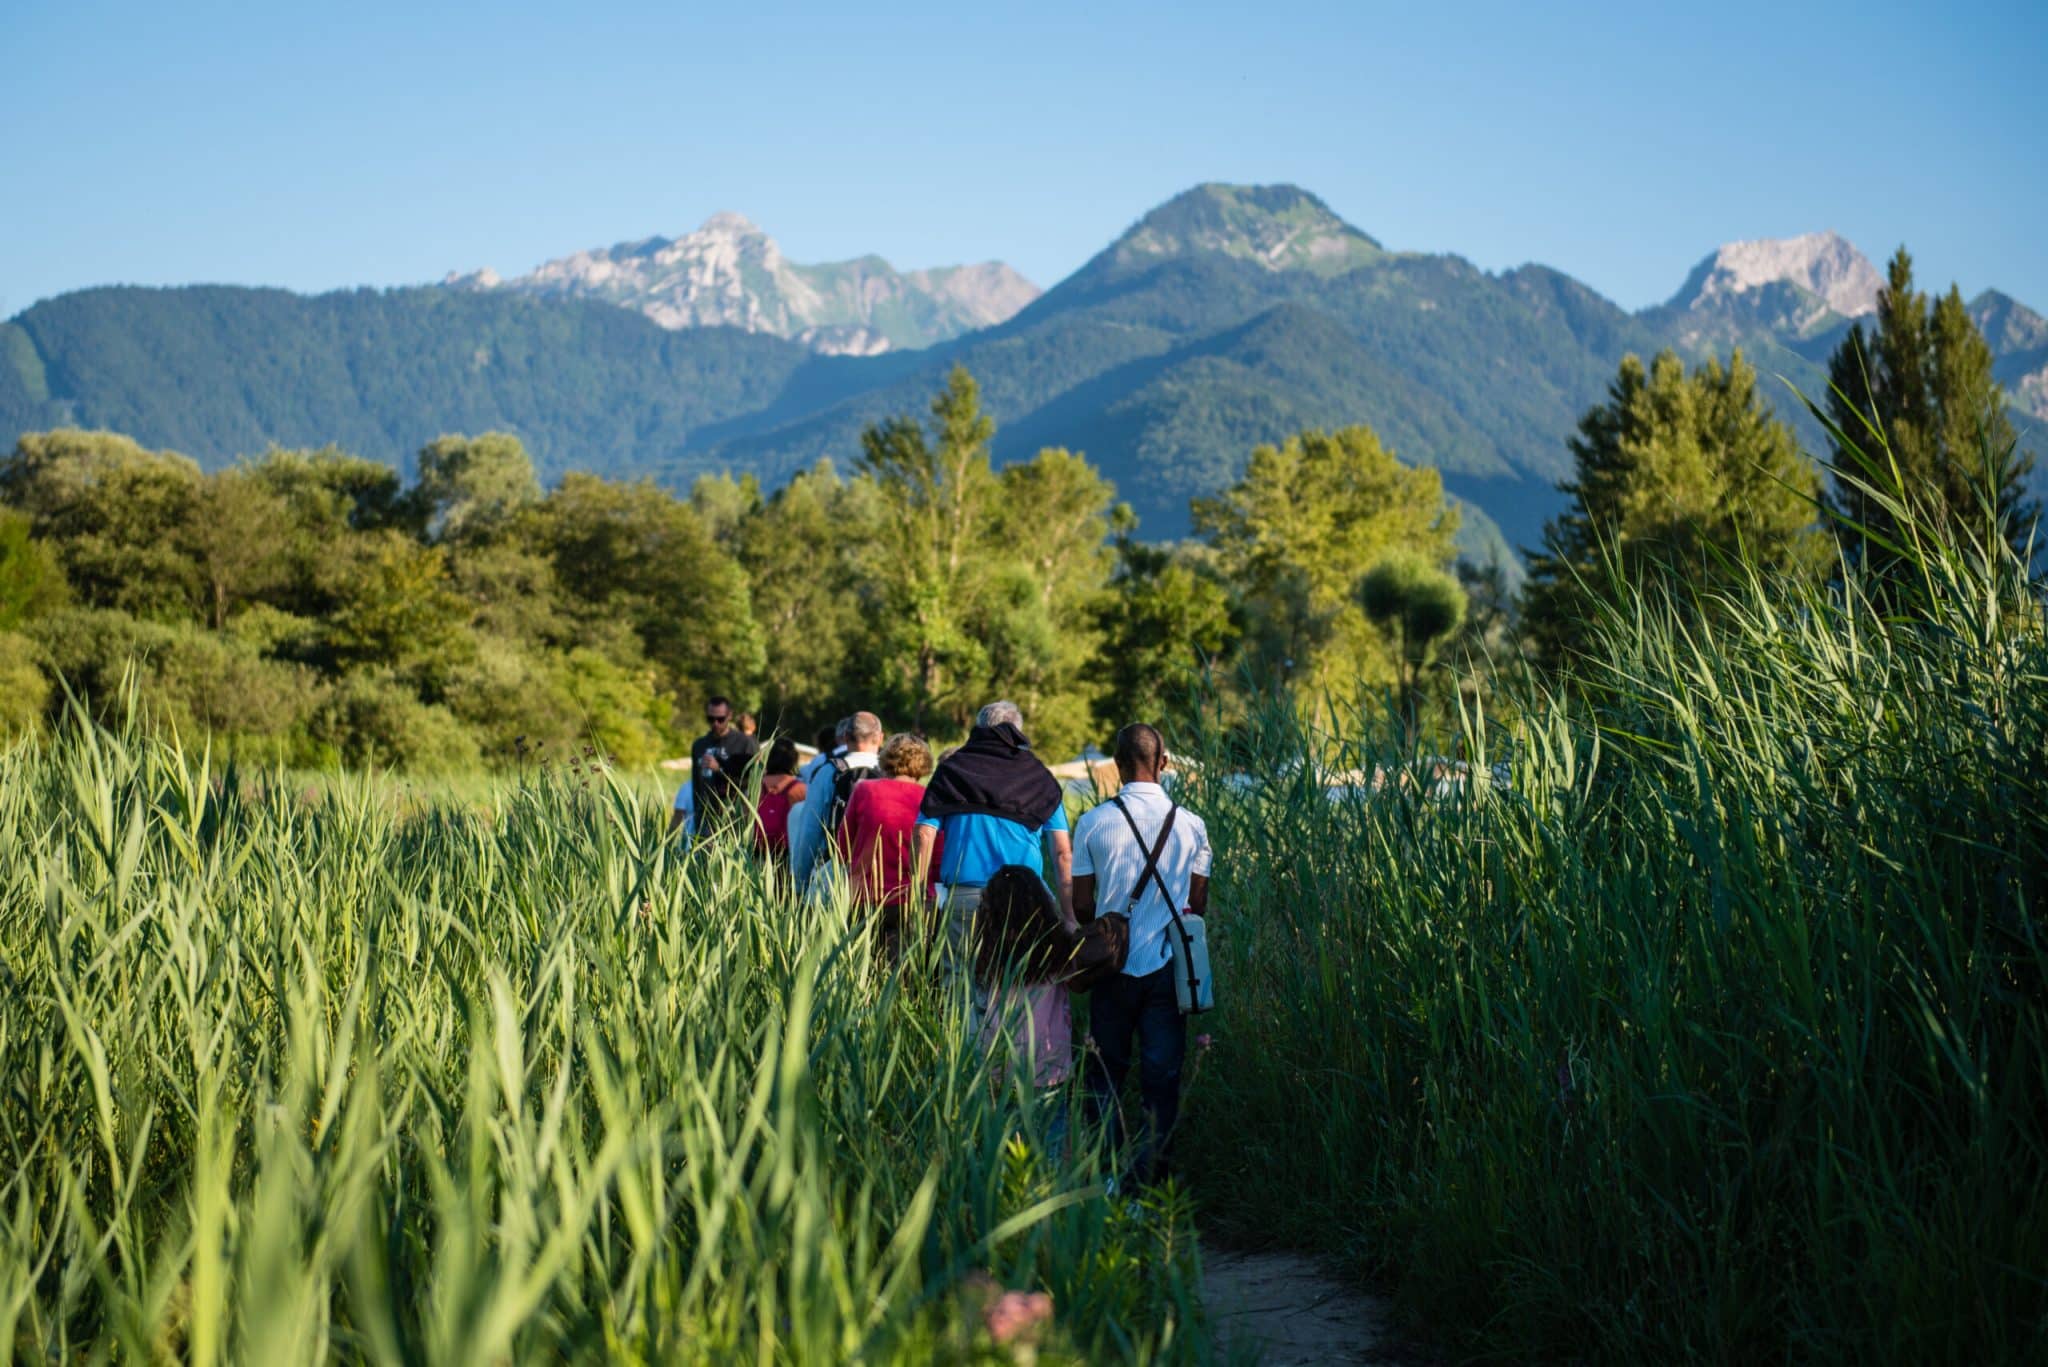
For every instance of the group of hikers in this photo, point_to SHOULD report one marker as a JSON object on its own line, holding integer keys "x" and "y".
{"x": 958, "y": 848}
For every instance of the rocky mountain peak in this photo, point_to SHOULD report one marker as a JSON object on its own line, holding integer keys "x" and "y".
{"x": 1824, "y": 265}
{"x": 1280, "y": 227}
{"x": 726, "y": 223}
{"x": 729, "y": 273}
{"x": 2007, "y": 324}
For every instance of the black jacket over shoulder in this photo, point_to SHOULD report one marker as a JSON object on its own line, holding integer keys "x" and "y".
{"x": 994, "y": 774}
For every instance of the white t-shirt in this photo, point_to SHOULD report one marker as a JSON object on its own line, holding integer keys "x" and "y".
{"x": 1105, "y": 847}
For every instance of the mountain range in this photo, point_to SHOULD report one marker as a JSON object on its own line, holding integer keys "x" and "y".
{"x": 730, "y": 273}
{"x": 1228, "y": 316}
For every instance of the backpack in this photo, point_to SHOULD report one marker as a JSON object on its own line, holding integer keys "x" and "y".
{"x": 844, "y": 776}
{"x": 771, "y": 820}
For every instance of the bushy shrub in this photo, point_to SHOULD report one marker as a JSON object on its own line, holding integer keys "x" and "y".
{"x": 261, "y": 629}
{"x": 618, "y": 708}
{"x": 511, "y": 702}
{"x": 24, "y": 688}
{"x": 192, "y": 681}
{"x": 31, "y": 583}
{"x": 373, "y": 720}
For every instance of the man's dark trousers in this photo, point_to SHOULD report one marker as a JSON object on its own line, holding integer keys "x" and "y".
{"x": 1147, "y": 1007}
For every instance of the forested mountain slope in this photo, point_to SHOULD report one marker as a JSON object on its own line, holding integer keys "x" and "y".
{"x": 1227, "y": 317}
{"x": 219, "y": 372}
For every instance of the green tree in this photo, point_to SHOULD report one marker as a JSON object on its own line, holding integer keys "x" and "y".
{"x": 329, "y": 499}
{"x": 1294, "y": 535}
{"x": 1419, "y": 604}
{"x": 233, "y": 541}
{"x": 1680, "y": 480}
{"x": 113, "y": 513}
{"x": 725, "y": 504}
{"x": 633, "y": 555}
{"x": 806, "y": 552}
{"x": 1165, "y": 623}
{"x": 1918, "y": 393}
{"x": 1053, "y": 517}
{"x": 399, "y": 613}
{"x": 330, "y": 491}
{"x": 31, "y": 583}
{"x": 931, "y": 555}
{"x": 470, "y": 487}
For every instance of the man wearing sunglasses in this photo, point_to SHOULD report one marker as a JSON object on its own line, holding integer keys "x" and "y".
{"x": 718, "y": 770}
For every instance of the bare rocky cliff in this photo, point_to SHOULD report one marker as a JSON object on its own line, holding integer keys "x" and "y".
{"x": 730, "y": 273}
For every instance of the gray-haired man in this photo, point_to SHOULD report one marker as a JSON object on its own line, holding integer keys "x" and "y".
{"x": 996, "y": 804}
{"x": 809, "y": 832}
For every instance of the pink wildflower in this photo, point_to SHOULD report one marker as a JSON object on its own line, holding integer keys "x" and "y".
{"x": 1017, "y": 1314}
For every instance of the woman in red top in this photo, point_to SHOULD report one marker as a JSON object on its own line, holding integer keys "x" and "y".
{"x": 877, "y": 839}
{"x": 781, "y": 793}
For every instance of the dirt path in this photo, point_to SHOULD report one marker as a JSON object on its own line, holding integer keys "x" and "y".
{"x": 1285, "y": 1310}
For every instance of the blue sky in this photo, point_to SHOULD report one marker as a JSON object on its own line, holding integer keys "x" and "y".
{"x": 317, "y": 147}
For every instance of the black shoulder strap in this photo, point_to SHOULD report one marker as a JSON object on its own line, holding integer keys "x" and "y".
{"x": 844, "y": 777}
{"x": 1152, "y": 859}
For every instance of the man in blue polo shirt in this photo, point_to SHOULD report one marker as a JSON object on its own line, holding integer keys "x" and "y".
{"x": 996, "y": 804}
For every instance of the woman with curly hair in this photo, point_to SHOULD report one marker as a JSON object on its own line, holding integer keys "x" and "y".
{"x": 877, "y": 838}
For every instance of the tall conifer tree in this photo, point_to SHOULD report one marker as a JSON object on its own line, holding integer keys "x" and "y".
{"x": 1683, "y": 479}
{"x": 1921, "y": 381}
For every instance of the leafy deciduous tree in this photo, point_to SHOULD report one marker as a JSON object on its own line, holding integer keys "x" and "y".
{"x": 1294, "y": 534}
{"x": 806, "y": 552}
{"x": 1165, "y": 621}
{"x": 632, "y": 553}
{"x": 114, "y": 512}
{"x": 1419, "y": 604}
{"x": 938, "y": 499}
{"x": 234, "y": 540}
{"x": 469, "y": 487}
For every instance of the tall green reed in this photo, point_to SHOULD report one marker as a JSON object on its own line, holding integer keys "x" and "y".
{"x": 295, "y": 1076}
{"x": 1721, "y": 1032}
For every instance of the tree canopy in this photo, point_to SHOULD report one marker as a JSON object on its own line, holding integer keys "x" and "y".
{"x": 1680, "y": 479}
{"x": 1918, "y": 420}
{"x": 1295, "y": 534}
{"x": 311, "y": 606}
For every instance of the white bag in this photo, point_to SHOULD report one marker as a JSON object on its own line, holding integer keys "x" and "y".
{"x": 1193, "y": 988}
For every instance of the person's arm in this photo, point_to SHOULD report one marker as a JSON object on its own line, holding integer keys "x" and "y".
{"x": 806, "y": 833}
{"x": 1080, "y": 871}
{"x": 1198, "y": 876}
{"x": 1063, "y": 874}
{"x": 921, "y": 863}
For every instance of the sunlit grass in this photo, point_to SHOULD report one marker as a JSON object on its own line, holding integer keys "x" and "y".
{"x": 497, "y": 1076}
